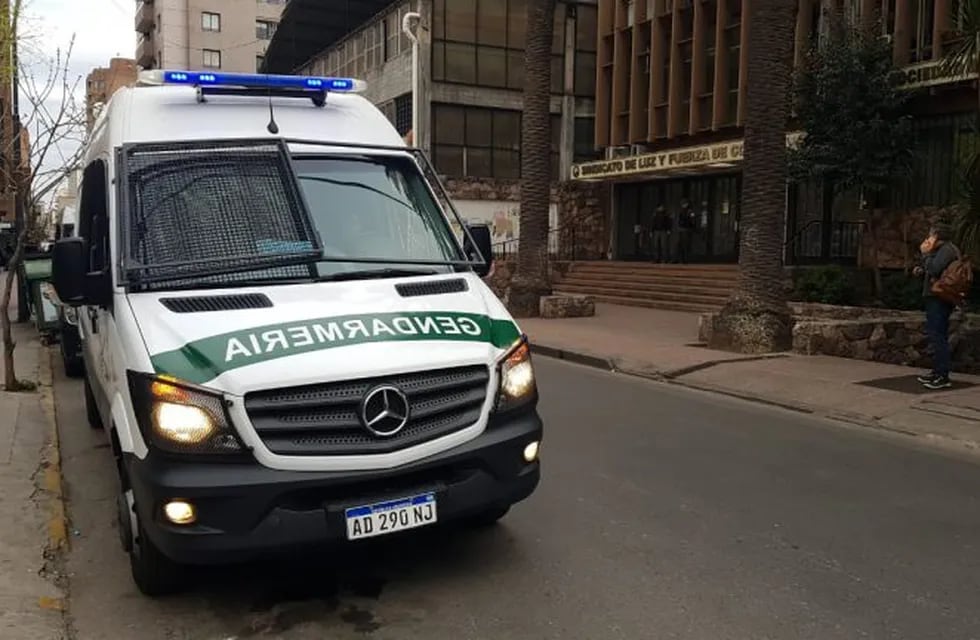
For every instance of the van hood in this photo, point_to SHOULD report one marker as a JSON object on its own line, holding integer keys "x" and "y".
{"x": 320, "y": 332}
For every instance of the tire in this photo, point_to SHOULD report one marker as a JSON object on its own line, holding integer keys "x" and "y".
{"x": 154, "y": 574}
{"x": 91, "y": 408}
{"x": 74, "y": 366}
{"x": 488, "y": 518}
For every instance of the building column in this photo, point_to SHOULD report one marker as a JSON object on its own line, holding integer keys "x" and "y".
{"x": 903, "y": 32}
{"x": 942, "y": 21}
{"x": 721, "y": 68}
{"x": 743, "y": 61}
{"x": 674, "y": 85}
{"x": 804, "y": 17}
{"x": 566, "y": 154}
{"x": 697, "y": 69}
{"x": 423, "y": 137}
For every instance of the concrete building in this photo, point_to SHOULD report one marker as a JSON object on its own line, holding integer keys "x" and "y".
{"x": 670, "y": 104}
{"x": 102, "y": 82}
{"x": 231, "y": 35}
{"x": 471, "y": 76}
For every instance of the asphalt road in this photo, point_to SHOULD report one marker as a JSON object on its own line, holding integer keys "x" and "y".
{"x": 662, "y": 513}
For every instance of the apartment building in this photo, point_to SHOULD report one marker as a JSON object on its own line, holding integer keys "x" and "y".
{"x": 670, "y": 108}
{"x": 230, "y": 35}
{"x": 471, "y": 74}
{"x": 103, "y": 82}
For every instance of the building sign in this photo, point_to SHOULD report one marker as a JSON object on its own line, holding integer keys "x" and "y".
{"x": 684, "y": 158}
{"x": 929, "y": 74}
{"x": 720, "y": 155}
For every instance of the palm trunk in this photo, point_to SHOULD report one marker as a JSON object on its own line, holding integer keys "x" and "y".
{"x": 757, "y": 319}
{"x": 531, "y": 279}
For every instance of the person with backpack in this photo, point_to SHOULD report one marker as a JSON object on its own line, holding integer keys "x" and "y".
{"x": 940, "y": 257}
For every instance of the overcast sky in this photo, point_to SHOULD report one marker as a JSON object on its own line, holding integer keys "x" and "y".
{"x": 102, "y": 29}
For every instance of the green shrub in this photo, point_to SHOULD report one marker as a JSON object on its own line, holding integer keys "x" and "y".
{"x": 901, "y": 291}
{"x": 826, "y": 285}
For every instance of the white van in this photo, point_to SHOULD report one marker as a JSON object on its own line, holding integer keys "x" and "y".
{"x": 285, "y": 339}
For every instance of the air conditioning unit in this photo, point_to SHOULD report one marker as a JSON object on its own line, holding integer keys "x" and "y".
{"x": 637, "y": 149}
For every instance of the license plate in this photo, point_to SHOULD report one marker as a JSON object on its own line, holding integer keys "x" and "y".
{"x": 388, "y": 517}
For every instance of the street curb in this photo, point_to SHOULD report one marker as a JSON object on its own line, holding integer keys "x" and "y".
{"x": 53, "y": 483}
{"x": 673, "y": 378}
{"x": 571, "y": 356}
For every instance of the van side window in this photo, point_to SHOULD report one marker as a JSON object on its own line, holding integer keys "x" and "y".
{"x": 93, "y": 215}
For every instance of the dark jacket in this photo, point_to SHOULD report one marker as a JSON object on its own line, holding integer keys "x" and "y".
{"x": 935, "y": 263}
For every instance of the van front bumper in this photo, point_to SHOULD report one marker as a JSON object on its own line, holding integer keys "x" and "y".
{"x": 246, "y": 510}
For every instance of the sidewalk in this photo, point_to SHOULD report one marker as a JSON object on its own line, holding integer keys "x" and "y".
{"x": 662, "y": 345}
{"x": 32, "y": 530}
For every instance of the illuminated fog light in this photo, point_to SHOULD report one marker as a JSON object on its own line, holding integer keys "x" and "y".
{"x": 531, "y": 452}
{"x": 180, "y": 512}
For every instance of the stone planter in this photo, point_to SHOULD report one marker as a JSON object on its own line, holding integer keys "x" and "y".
{"x": 878, "y": 335}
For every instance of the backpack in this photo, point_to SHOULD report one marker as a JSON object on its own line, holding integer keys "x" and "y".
{"x": 956, "y": 282}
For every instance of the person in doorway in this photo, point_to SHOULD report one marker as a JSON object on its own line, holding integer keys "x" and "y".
{"x": 662, "y": 226}
{"x": 937, "y": 254}
{"x": 687, "y": 223}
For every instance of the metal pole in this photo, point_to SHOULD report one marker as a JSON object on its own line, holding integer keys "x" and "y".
{"x": 414, "y": 16}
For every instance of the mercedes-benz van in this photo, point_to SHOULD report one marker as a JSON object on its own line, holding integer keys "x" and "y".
{"x": 285, "y": 331}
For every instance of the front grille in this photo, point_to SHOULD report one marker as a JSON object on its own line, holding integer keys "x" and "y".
{"x": 324, "y": 419}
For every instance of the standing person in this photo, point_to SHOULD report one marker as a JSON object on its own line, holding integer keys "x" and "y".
{"x": 937, "y": 254}
{"x": 662, "y": 226}
{"x": 687, "y": 222}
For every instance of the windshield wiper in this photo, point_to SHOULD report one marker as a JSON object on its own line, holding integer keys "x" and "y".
{"x": 377, "y": 274}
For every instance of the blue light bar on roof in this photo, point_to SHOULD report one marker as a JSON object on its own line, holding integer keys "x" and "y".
{"x": 252, "y": 80}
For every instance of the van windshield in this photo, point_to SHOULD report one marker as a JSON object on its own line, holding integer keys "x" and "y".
{"x": 230, "y": 214}
{"x": 377, "y": 209}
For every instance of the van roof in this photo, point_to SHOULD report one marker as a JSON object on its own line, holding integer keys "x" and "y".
{"x": 172, "y": 112}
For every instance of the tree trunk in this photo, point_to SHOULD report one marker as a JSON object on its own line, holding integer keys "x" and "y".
{"x": 531, "y": 279}
{"x": 757, "y": 319}
{"x": 11, "y": 383}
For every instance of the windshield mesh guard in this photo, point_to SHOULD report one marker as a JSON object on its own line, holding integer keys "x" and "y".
{"x": 213, "y": 209}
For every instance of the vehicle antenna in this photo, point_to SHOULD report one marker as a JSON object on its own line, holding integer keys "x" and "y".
{"x": 272, "y": 126}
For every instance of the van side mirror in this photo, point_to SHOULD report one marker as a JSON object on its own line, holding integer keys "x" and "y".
{"x": 483, "y": 241}
{"x": 73, "y": 282}
{"x": 69, "y": 270}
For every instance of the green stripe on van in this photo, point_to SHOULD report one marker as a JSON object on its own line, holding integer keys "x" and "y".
{"x": 205, "y": 359}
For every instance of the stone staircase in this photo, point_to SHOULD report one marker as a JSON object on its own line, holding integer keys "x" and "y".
{"x": 696, "y": 288}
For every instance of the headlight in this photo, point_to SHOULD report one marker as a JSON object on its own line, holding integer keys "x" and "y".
{"x": 517, "y": 385}
{"x": 180, "y": 418}
{"x": 71, "y": 315}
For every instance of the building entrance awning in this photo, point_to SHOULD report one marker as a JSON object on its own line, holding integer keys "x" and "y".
{"x": 680, "y": 161}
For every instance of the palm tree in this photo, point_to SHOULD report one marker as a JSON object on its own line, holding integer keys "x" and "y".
{"x": 531, "y": 278}
{"x": 757, "y": 319}
{"x": 962, "y": 59}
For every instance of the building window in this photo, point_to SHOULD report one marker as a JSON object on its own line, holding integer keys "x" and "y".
{"x": 259, "y": 61}
{"x": 210, "y": 21}
{"x": 585, "y": 51}
{"x": 945, "y": 148}
{"x": 211, "y": 58}
{"x": 478, "y": 142}
{"x": 481, "y": 42}
{"x": 923, "y": 18}
{"x": 585, "y": 140}
{"x": 264, "y": 29}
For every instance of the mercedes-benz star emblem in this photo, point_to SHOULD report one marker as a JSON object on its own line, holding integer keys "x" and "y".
{"x": 384, "y": 411}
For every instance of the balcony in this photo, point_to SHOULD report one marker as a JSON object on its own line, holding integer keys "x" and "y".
{"x": 145, "y": 20}
{"x": 146, "y": 53}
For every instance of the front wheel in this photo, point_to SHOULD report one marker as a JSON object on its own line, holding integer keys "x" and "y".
{"x": 154, "y": 573}
{"x": 74, "y": 366}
